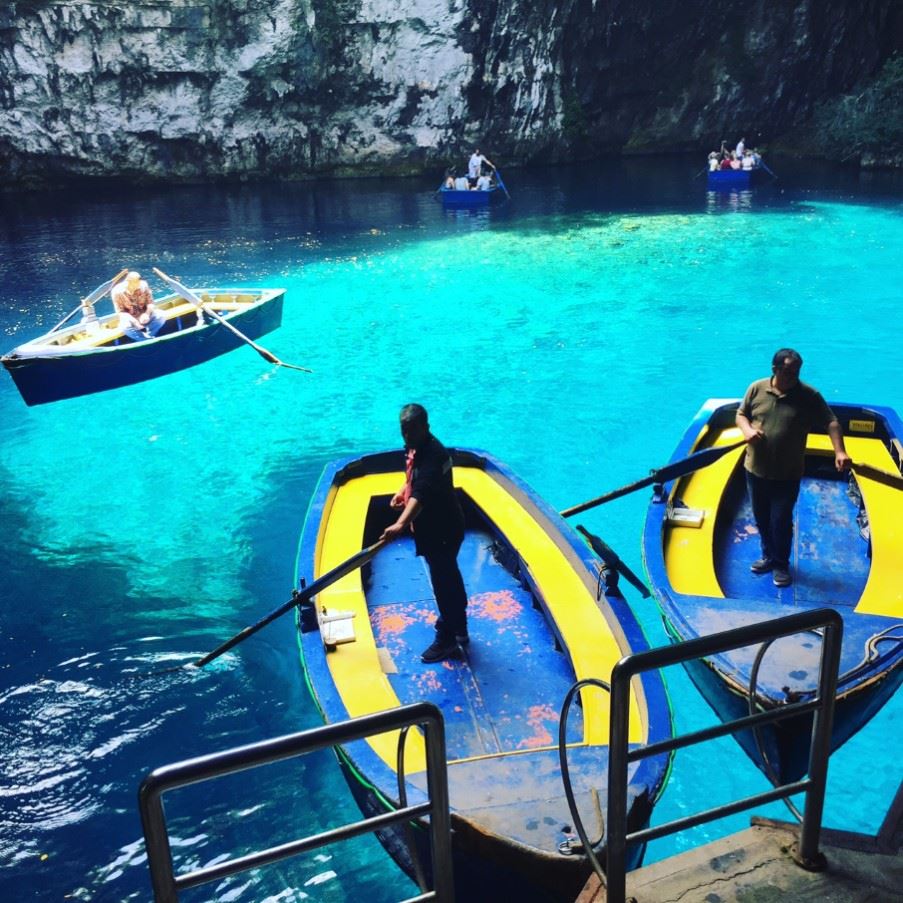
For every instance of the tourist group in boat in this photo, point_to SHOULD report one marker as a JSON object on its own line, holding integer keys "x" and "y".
{"x": 741, "y": 157}
{"x": 480, "y": 171}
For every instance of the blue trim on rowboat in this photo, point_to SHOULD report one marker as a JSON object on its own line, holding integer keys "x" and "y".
{"x": 507, "y": 671}
{"x": 734, "y": 179}
{"x": 831, "y": 573}
{"x": 451, "y": 197}
{"x": 60, "y": 374}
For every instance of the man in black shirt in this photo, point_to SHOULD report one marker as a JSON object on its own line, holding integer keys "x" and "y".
{"x": 430, "y": 508}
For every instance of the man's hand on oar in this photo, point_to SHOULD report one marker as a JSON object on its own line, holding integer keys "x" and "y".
{"x": 190, "y": 296}
{"x": 662, "y": 475}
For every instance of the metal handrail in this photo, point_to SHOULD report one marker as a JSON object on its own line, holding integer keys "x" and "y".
{"x": 807, "y": 853}
{"x": 167, "y": 884}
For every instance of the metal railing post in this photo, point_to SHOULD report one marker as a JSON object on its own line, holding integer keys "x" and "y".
{"x": 167, "y": 884}
{"x": 616, "y": 842}
{"x": 620, "y": 755}
{"x": 440, "y": 819}
{"x": 807, "y": 854}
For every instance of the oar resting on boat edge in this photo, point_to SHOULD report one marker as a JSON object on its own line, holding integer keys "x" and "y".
{"x": 190, "y": 296}
{"x": 86, "y": 304}
{"x": 299, "y": 597}
{"x": 661, "y": 475}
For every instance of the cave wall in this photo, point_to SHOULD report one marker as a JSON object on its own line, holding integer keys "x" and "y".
{"x": 200, "y": 89}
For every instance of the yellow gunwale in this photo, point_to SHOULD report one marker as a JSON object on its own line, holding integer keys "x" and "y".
{"x": 584, "y": 630}
{"x": 688, "y": 551}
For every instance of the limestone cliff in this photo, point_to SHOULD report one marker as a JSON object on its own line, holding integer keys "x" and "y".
{"x": 199, "y": 89}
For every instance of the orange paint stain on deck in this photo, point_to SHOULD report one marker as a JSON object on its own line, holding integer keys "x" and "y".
{"x": 391, "y": 623}
{"x": 496, "y": 606}
{"x": 539, "y": 717}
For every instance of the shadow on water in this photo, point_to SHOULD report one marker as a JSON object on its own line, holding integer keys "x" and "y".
{"x": 79, "y": 733}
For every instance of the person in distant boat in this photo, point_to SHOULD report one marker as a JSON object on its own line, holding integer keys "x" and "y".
{"x": 735, "y": 161}
{"x": 462, "y": 184}
{"x": 475, "y": 166}
{"x": 726, "y": 160}
{"x": 713, "y": 161}
{"x": 747, "y": 162}
{"x": 134, "y": 302}
{"x": 757, "y": 158}
{"x": 484, "y": 183}
{"x": 450, "y": 179}
{"x": 775, "y": 418}
{"x": 741, "y": 148}
{"x": 431, "y": 511}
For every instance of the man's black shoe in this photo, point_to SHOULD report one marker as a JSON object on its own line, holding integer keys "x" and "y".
{"x": 762, "y": 566}
{"x": 462, "y": 639}
{"x": 439, "y": 651}
{"x": 781, "y": 577}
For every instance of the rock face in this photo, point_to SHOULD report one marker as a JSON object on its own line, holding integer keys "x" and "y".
{"x": 201, "y": 89}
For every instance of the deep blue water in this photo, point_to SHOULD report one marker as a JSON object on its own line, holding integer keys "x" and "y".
{"x": 572, "y": 332}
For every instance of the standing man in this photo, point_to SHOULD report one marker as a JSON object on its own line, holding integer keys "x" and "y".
{"x": 430, "y": 508}
{"x": 475, "y": 166}
{"x": 776, "y": 416}
{"x": 138, "y": 317}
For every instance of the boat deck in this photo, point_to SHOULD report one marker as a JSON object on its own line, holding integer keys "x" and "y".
{"x": 511, "y": 658}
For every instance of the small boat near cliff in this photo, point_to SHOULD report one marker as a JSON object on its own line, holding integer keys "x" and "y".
{"x": 95, "y": 355}
{"x": 735, "y": 179}
{"x": 700, "y": 540}
{"x": 536, "y": 626}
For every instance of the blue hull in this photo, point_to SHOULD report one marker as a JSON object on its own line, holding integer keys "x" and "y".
{"x": 507, "y": 801}
{"x": 734, "y": 179}
{"x": 832, "y": 568}
{"x": 453, "y": 198}
{"x": 56, "y": 377}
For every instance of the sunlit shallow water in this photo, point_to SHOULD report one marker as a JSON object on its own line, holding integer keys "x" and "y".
{"x": 573, "y": 333}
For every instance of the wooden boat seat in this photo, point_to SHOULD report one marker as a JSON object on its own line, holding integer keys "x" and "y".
{"x": 689, "y": 551}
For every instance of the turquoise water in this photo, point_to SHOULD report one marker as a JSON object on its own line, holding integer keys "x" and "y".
{"x": 573, "y": 333}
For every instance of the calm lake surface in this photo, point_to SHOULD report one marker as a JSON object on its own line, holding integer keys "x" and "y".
{"x": 572, "y": 332}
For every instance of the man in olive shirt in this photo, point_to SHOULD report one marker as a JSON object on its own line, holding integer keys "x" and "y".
{"x": 776, "y": 416}
{"x": 430, "y": 509}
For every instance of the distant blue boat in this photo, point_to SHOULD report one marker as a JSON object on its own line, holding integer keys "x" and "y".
{"x": 700, "y": 540}
{"x": 452, "y": 197}
{"x": 95, "y": 356}
{"x": 735, "y": 179}
{"x": 540, "y": 618}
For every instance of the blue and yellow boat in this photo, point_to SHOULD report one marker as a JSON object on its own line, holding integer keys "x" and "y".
{"x": 535, "y": 628}
{"x": 94, "y": 355}
{"x": 700, "y": 540}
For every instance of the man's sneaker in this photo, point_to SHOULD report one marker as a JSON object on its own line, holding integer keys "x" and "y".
{"x": 781, "y": 577}
{"x": 762, "y": 566}
{"x": 439, "y": 651}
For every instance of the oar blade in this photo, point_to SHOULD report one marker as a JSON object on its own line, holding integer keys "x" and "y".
{"x": 180, "y": 289}
{"x": 102, "y": 289}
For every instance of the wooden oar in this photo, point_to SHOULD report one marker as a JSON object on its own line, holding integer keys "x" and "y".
{"x": 662, "y": 475}
{"x": 498, "y": 175}
{"x": 90, "y": 298}
{"x": 359, "y": 559}
{"x": 190, "y": 296}
{"x": 885, "y": 477}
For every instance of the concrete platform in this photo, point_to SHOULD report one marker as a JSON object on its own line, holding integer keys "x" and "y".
{"x": 756, "y": 866}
